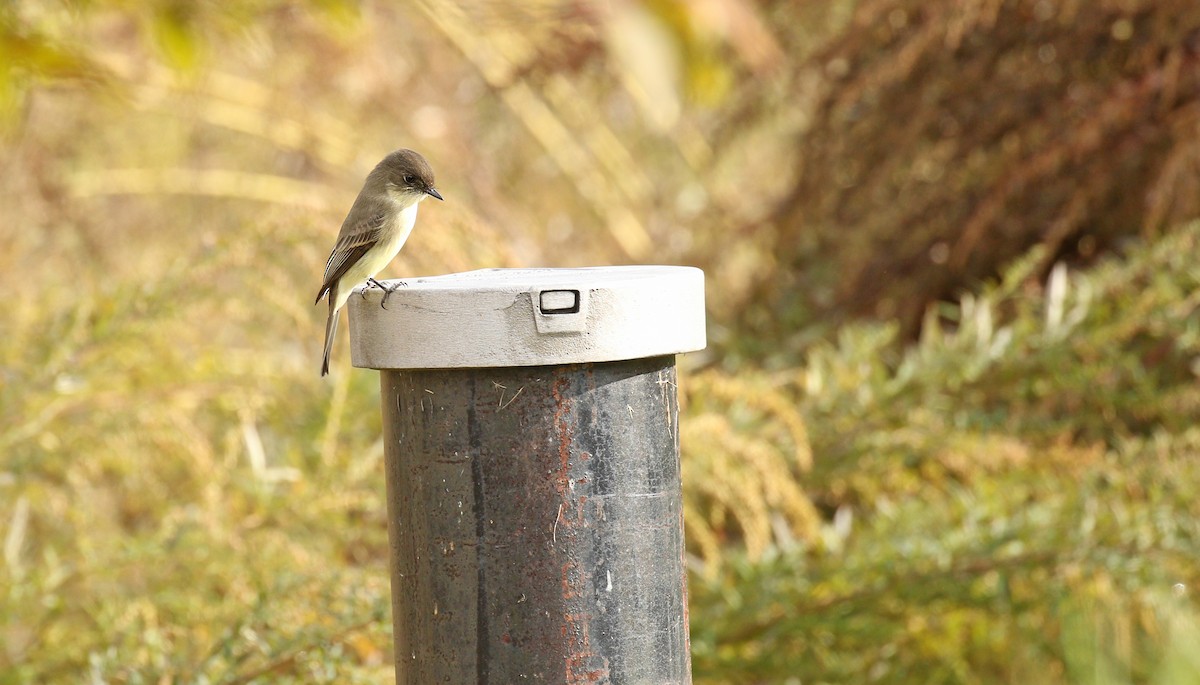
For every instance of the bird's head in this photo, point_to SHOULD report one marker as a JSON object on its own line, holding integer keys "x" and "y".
{"x": 406, "y": 177}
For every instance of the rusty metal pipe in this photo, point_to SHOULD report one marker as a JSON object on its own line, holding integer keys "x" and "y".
{"x": 536, "y": 525}
{"x": 532, "y": 460}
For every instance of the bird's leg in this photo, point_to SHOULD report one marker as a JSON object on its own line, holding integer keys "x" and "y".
{"x": 387, "y": 290}
{"x": 371, "y": 283}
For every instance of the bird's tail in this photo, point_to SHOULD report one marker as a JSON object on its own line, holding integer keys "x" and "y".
{"x": 330, "y": 328}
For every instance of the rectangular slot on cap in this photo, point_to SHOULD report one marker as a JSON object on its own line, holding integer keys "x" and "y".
{"x": 559, "y": 302}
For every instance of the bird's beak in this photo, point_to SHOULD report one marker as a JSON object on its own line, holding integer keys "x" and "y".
{"x": 435, "y": 193}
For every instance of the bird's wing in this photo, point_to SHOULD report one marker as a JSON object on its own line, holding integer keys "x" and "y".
{"x": 358, "y": 235}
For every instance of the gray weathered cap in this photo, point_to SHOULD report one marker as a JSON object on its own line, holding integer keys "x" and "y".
{"x": 530, "y": 317}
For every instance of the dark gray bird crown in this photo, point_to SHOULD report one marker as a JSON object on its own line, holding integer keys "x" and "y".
{"x": 405, "y": 169}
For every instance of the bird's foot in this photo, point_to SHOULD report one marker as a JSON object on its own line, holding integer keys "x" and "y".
{"x": 387, "y": 290}
{"x": 371, "y": 283}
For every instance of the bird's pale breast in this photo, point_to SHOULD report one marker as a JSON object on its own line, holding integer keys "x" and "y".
{"x": 395, "y": 234}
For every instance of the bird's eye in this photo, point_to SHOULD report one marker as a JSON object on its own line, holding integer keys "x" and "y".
{"x": 410, "y": 179}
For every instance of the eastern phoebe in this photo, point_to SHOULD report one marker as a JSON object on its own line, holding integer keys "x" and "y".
{"x": 374, "y": 231}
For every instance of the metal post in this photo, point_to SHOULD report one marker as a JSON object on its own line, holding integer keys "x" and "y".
{"x": 534, "y": 511}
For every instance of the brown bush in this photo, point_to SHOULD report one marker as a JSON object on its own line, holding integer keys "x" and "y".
{"x": 949, "y": 136}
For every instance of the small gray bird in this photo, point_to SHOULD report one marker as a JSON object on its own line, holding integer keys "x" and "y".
{"x": 374, "y": 231}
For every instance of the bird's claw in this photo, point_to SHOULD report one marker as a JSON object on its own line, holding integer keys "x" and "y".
{"x": 387, "y": 290}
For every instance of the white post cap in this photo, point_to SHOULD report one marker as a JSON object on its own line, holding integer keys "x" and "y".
{"x": 529, "y": 317}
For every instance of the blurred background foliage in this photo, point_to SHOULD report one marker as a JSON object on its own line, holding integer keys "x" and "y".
{"x": 945, "y": 428}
